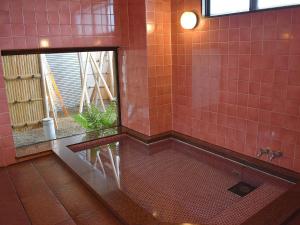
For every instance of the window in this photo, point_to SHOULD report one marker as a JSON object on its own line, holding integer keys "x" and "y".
{"x": 221, "y": 7}
{"x": 61, "y": 93}
{"x": 266, "y": 4}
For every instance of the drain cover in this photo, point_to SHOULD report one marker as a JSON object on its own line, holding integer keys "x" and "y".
{"x": 241, "y": 189}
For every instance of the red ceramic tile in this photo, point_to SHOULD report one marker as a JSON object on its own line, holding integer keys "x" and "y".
{"x": 249, "y": 57}
{"x": 292, "y": 108}
{"x": 16, "y": 16}
{"x": 3, "y": 101}
{"x": 253, "y": 101}
{"x": 257, "y": 33}
{"x": 270, "y": 18}
{"x": 295, "y": 33}
{"x": 245, "y": 20}
{"x": 294, "y": 62}
{"x": 65, "y": 29}
{"x": 4, "y": 17}
{"x": 7, "y": 142}
{"x": 43, "y": 30}
{"x": 18, "y": 30}
{"x": 257, "y": 19}
{"x": 29, "y": 17}
{"x": 270, "y": 33}
{"x": 32, "y": 42}
{"x": 24, "y": 22}
{"x": 41, "y": 17}
{"x": 64, "y": 17}
{"x": 31, "y": 30}
{"x": 28, "y": 5}
{"x": 284, "y": 17}
{"x": 266, "y": 103}
{"x": 234, "y": 34}
{"x": 5, "y": 30}
{"x": 293, "y": 93}
{"x": 53, "y": 17}
{"x": 253, "y": 114}
{"x": 267, "y": 84}
{"x": 4, "y": 5}
{"x": 41, "y": 5}
{"x": 245, "y": 34}
{"x": 54, "y": 30}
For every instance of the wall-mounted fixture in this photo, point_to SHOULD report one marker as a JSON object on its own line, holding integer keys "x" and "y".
{"x": 270, "y": 153}
{"x": 275, "y": 154}
{"x": 189, "y": 20}
{"x": 263, "y": 151}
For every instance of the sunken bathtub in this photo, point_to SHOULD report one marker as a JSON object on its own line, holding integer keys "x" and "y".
{"x": 171, "y": 181}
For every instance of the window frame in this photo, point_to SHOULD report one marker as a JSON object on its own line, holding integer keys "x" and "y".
{"x": 253, "y": 8}
{"x": 114, "y": 49}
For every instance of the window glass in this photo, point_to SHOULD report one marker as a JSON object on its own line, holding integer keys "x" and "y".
{"x": 265, "y": 4}
{"x": 220, "y": 7}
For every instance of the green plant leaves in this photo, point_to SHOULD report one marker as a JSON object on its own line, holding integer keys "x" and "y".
{"x": 94, "y": 119}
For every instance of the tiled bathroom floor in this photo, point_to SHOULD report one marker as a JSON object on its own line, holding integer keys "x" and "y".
{"x": 44, "y": 192}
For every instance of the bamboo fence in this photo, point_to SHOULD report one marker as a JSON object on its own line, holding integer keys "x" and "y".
{"x": 23, "y": 83}
{"x": 23, "y": 89}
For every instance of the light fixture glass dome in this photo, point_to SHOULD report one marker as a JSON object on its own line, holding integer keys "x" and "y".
{"x": 189, "y": 20}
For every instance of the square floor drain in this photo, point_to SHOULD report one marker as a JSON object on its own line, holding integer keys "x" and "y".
{"x": 241, "y": 189}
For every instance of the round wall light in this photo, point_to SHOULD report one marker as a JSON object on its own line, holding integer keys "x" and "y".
{"x": 189, "y": 20}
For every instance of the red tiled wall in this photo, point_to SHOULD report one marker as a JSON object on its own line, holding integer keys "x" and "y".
{"x": 233, "y": 81}
{"x": 148, "y": 67}
{"x": 236, "y": 81}
{"x": 79, "y": 23}
{"x": 133, "y": 69}
{"x": 158, "y": 19}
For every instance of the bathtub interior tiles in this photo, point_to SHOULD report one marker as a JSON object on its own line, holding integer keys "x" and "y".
{"x": 178, "y": 183}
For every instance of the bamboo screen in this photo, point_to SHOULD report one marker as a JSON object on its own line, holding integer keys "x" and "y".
{"x": 23, "y": 89}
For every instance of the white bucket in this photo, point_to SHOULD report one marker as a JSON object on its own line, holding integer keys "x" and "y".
{"x": 49, "y": 129}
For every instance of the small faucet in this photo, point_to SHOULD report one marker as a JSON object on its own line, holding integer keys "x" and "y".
{"x": 275, "y": 154}
{"x": 263, "y": 151}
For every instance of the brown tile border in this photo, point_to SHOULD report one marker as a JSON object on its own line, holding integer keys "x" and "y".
{"x": 34, "y": 156}
{"x": 283, "y": 207}
{"x": 226, "y": 153}
{"x": 147, "y": 139}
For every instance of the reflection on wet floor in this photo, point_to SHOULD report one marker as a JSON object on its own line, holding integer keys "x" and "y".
{"x": 104, "y": 158}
